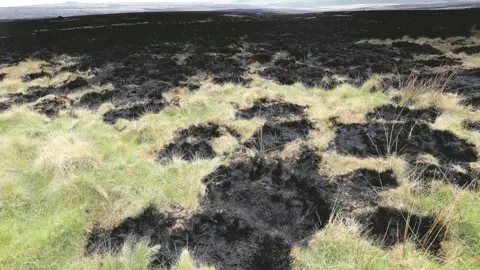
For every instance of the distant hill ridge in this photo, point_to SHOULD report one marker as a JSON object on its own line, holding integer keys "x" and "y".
{"x": 72, "y": 8}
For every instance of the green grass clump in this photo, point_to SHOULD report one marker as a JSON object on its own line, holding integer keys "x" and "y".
{"x": 340, "y": 245}
{"x": 459, "y": 208}
{"x": 60, "y": 176}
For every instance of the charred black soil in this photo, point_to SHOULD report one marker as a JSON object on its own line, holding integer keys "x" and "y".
{"x": 359, "y": 191}
{"x": 394, "y": 113}
{"x": 195, "y": 142}
{"x": 275, "y": 135}
{"x": 409, "y": 47}
{"x": 34, "y": 76}
{"x": 390, "y": 226}
{"x": 94, "y": 100}
{"x": 271, "y": 109}
{"x": 468, "y": 49}
{"x": 460, "y": 175}
{"x": 52, "y": 105}
{"x": 133, "y": 112}
{"x": 409, "y": 138}
{"x": 472, "y": 125}
{"x": 467, "y": 84}
{"x": 305, "y": 48}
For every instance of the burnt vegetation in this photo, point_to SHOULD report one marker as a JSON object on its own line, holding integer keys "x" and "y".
{"x": 309, "y": 49}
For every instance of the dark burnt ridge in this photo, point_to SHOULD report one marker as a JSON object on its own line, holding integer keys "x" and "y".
{"x": 468, "y": 49}
{"x": 395, "y": 113}
{"x": 275, "y": 135}
{"x": 279, "y": 129}
{"x": 391, "y": 226}
{"x": 4, "y": 106}
{"x": 416, "y": 48}
{"x": 467, "y": 84}
{"x": 151, "y": 223}
{"x": 133, "y": 112}
{"x": 271, "y": 109}
{"x": 34, "y": 76}
{"x": 264, "y": 207}
{"x": 360, "y": 189}
{"x": 408, "y": 138}
{"x": 383, "y": 180}
{"x": 405, "y": 132}
{"x": 195, "y": 142}
{"x": 440, "y": 61}
{"x": 472, "y": 125}
{"x": 94, "y": 100}
{"x": 460, "y": 175}
{"x": 52, "y": 105}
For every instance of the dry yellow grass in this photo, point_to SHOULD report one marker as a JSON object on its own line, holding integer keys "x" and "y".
{"x": 334, "y": 164}
{"x": 67, "y": 152}
{"x": 225, "y": 144}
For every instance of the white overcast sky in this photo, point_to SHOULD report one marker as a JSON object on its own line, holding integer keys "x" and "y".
{"x": 12, "y": 3}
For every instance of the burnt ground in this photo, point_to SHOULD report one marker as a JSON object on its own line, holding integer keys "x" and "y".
{"x": 52, "y": 105}
{"x": 466, "y": 84}
{"x": 472, "y": 125}
{"x": 408, "y": 138}
{"x": 274, "y": 136}
{"x": 172, "y": 47}
{"x": 468, "y": 49}
{"x": 395, "y": 113}
{"x": 194, "y": 142}
{"x": 461, "y": 175}
{"x": 391, "y": 226}
{"x": 286, "y": 122}
{"x": 271, "y": 109}
{"x": 405, "y": 132}
{"x": 256, "y": 209}
{"x": 357, "y": 192}
{"x": 34, "y": 76}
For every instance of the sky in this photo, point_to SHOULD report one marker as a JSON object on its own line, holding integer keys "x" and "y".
{"x": 10, "y": 3}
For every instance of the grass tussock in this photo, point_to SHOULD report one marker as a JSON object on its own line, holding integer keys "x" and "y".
{"x": 50, "y": 194}
{"x": 453, "y": 207}
{"x": 185, "y": 262}
{"x": 67, "y": 152}
{"x": 341, "y": 245}
{"x": 334, "y": 164}
{"x": 133, "y": 255}
{"x": 225, "y": 144}
{"x": 427, "y": 92}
